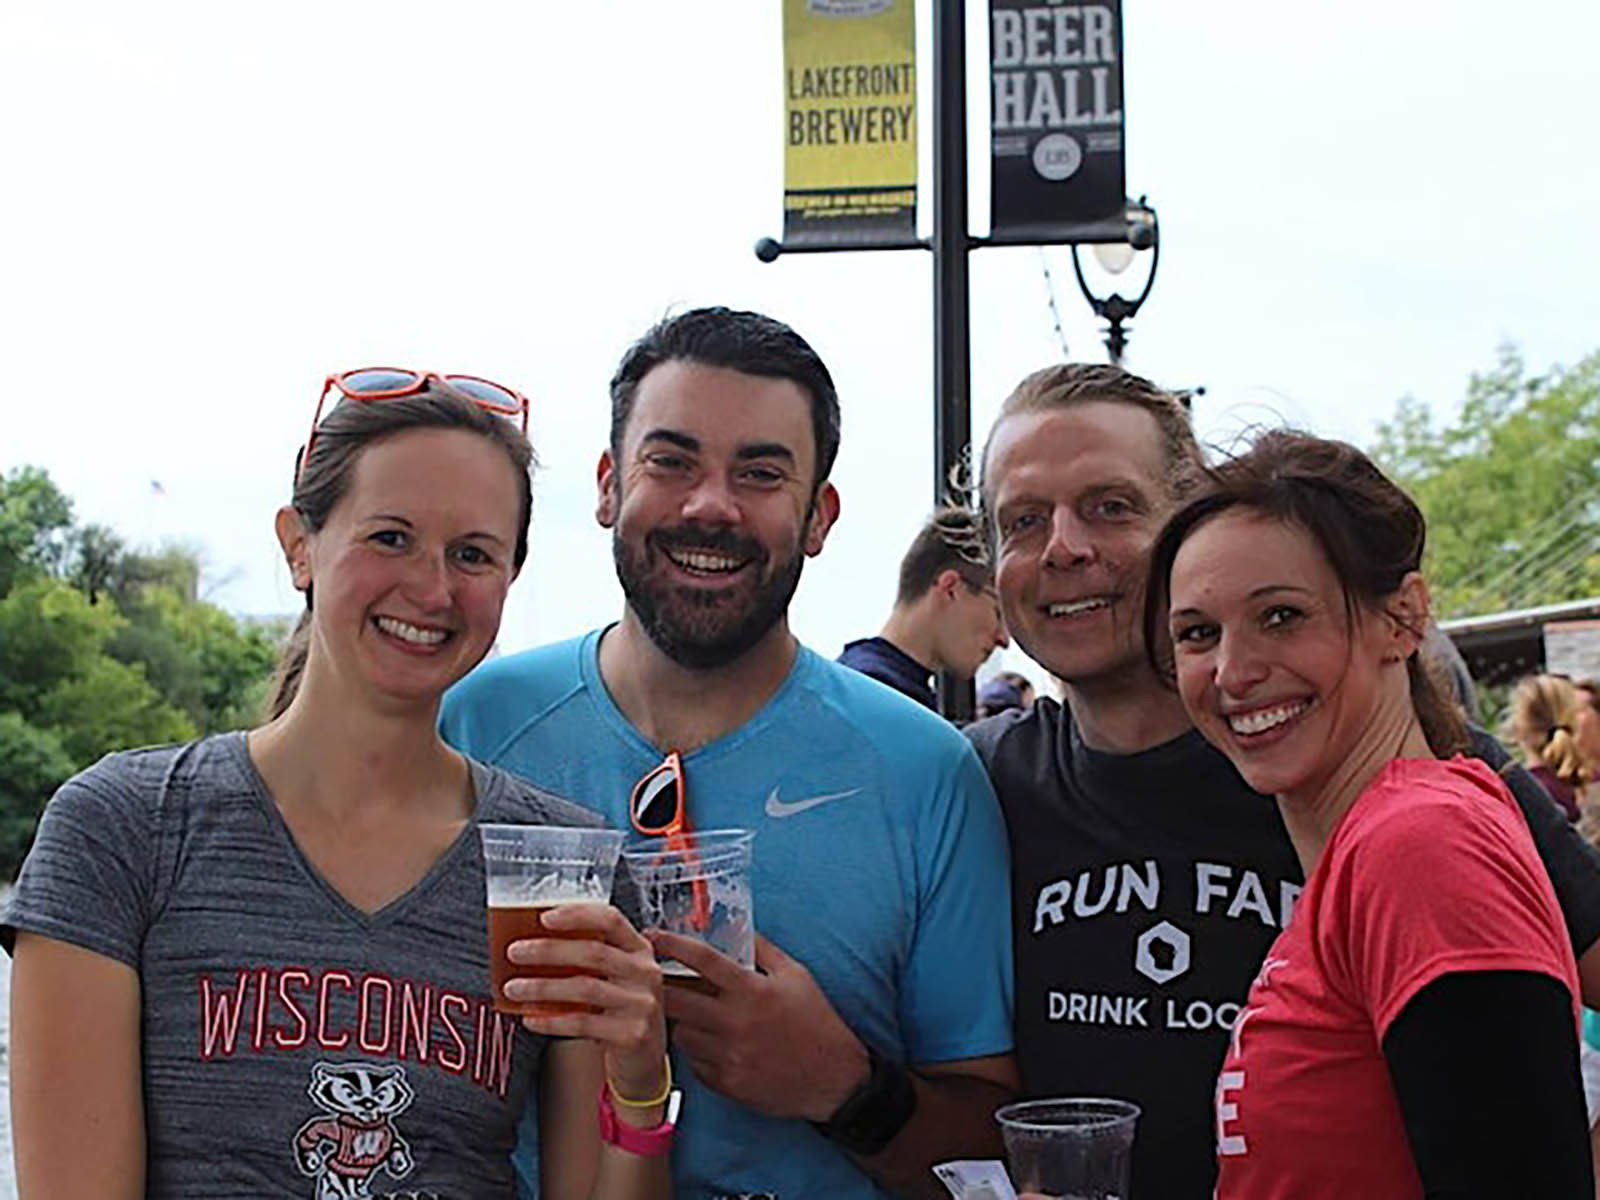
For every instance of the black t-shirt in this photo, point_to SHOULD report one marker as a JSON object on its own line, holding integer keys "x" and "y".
{"x": 1146, "y": 889}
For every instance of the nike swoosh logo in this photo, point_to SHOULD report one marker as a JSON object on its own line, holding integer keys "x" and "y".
{"x": 777, "y": 808}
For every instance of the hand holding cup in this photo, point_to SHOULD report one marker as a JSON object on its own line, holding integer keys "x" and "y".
{"x": 608, "y": 990}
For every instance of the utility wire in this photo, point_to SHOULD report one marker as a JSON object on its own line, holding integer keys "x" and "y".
{"x": 1565, "y": 568}
{"x": 1543, "y": 580}
{"x": 1532, "y": 560}
{"x": 1532, "y": 549}
{"x": 1557, "y": 526}
{"x": 1568, "y": 578}
{"x": 1055, "y": 313}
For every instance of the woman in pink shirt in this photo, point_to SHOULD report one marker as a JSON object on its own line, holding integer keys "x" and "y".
{"x": 1413, "y": 1031}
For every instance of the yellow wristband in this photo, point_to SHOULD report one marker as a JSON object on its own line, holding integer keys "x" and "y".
{"x": 666, "y": 1089}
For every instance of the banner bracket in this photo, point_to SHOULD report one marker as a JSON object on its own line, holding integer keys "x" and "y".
{"x": 768, "y": 249}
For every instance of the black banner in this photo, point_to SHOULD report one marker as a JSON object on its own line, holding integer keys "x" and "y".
{"x": 1055, "y": 77}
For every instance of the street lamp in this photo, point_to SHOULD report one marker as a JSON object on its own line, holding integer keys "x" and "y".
{"x": 1144, "y": 233}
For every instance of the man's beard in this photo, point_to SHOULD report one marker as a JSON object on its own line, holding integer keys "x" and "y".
{"x": 692, "y": 626}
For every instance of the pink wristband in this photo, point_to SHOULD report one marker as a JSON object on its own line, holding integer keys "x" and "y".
{"x": 648, "y": 1143}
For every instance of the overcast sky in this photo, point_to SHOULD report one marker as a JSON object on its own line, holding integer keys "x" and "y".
{"x": 208, "y": 206}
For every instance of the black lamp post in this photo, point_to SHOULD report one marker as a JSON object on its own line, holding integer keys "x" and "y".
{"x": 1114, "y": 237}
{"x": 1144, "y": 233}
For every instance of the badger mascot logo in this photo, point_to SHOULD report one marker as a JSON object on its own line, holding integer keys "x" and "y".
{"x": 356, "y": 1138}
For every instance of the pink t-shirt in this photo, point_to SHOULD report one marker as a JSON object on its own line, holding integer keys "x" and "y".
{"x": 1432, "y": 871}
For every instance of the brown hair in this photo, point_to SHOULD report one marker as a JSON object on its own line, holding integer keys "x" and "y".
{"x": 342, "y": 437}
{"x": 1371, "y": 533}
{"x": 748, "y": 342}
{"x": 1067, "y": 384}
{"x": 951, "y": 539}
{"x": 1544, "y": 715}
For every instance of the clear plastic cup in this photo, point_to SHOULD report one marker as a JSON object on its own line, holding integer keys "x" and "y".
{"x": 528, "y": 870}
{"x": 699, "y": 887}
{"x": 1073, "y": 1148}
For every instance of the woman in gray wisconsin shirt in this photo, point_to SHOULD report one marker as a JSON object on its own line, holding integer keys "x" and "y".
{"x": 256, "y": 965}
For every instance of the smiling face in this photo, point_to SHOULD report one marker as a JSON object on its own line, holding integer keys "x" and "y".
{"x": 1271, "y": 667}
{"x": 710, "y": 507}
{"x": 1078, "y": 495}
{"x": 411, "y": 568}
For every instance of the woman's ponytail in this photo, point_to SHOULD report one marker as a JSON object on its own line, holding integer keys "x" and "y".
{"x": 291, "y": 666}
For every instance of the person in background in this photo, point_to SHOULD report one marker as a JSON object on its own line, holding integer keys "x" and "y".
{"x": 1148, "y": 879}
{"x": 945, "y": 617}
{"x": 1413, "y": 1030}
{"x": 1544, "y": 722}
{"x": 1002, "y": 691}
{"x": 1446, "y": 661}
{"x": 257, "y": 965}
{"x": 1587, "y": 735}
{"x": 1587, "y": 731}
{"x": 875, "y": 1038}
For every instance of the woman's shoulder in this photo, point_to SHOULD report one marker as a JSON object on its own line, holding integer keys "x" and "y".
{"x": 1418, "y": 810}
{"x": 150, "y": 776}
{"x": 503, "y": 796}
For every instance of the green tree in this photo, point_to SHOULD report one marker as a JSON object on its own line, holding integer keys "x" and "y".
{"x": 176, "y": 568}
{"x": 33, "y": 765}
{"x": 109, "y": 706}
{"x": 55, "y": 673}
{"x": 197, "y": 656}
{"x": 1511, "y": 486}
{"x": 35, "y": 525}
{"x": 97, "y": 554}
{"x": 104, "y": 647}
{"x": 49, "y": 633}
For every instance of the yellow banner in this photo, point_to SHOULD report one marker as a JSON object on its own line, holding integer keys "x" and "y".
{"x": 850, "y": 120}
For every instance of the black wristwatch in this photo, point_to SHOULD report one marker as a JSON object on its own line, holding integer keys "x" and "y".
{"x": 877, "y": 1110}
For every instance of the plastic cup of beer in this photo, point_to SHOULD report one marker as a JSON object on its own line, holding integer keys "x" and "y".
{"x": 1074, "y": 1148}
{"x": 528, "y": 870}
{"x": 699, "y": 887}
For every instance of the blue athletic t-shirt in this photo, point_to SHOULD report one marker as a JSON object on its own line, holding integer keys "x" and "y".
{"x": 880, "y": 863}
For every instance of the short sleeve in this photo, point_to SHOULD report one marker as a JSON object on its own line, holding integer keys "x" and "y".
{"x": 957, "y": 990}
{"x": 1432, "y": 889}
{"x": 88, "y": 880}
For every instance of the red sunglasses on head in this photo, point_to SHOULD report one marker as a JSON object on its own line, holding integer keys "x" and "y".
{"x": 659, "y": 808}
{"x": 370, "y": 385}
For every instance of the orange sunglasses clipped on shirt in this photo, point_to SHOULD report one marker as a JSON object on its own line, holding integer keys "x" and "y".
{"x": 659, "y": 808}
{"x": 371, "y": 385}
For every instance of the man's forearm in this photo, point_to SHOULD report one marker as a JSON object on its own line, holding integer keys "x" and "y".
{"x": 954, "y": 1118}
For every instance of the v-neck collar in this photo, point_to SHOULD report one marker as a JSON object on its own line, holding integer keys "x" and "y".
{"x": 397, "y": 908}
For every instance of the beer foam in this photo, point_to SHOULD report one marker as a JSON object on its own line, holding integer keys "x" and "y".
{"x": 558, "y": 887}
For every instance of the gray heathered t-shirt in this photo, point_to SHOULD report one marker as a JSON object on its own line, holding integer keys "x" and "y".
{"x": 293, "y": 1045}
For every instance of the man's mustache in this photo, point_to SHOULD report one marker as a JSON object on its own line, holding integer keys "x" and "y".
{"x": 696, "y": 537}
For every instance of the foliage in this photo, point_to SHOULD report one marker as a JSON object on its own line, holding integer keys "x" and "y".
{"x": 110, "y": 706}
{"x": 49, "y": 633}
{"x": 35, "y": 525}
{"x": 97, "y": 555}
{"x": 33, "y": 765}
{"x": 197, "y": 656}
{"x": 103, "y": 647}
{"x": 1511, "y": 486}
